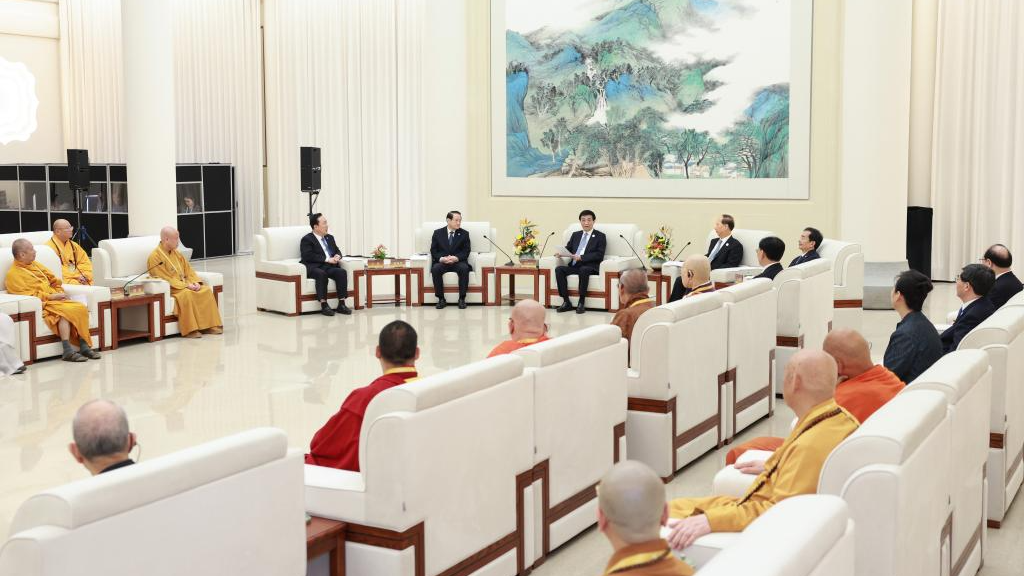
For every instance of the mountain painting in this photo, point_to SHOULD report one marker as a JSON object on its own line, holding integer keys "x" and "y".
{"x": 665, "y": 90}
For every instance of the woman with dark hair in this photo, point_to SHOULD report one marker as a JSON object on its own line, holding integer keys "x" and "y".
{"x": 915, "y": 345}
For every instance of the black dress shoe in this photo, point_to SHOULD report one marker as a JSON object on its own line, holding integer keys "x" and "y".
{"x": 565, "y": 307}
{"x": 325, "y": 309}
{"x": 440, "y": 304}
{"x": 343, "y": 309}
{"x": 580, "y": 309}
{"x": 462, "y": 303}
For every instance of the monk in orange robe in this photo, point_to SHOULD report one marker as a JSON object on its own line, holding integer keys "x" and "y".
{"x": 633, "y": 299}
{"x": 63, "y": 316}
{"x": 863, "y": 386}
{"x": 195, "y": 305}
{"x": 525, "y": 326}
{"x": 336, "y": 444}
{"x": 76, "y": 268}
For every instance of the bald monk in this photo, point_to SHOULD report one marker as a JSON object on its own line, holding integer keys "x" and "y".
{"x": 194, "y": 304}
{"x": 863, "y": 386}
{"x": 76, "y": 268}
{"x": 631, "y": 510}
{"x": 695, "y": 276}
{"x": 65, "y": 317}
{"x": 525, "y": 326}
{"x": 633, "y": 299}
{"x": 336, "y": 445}
{"x": 102, "y": 440}
{"x": 793, "y": 469}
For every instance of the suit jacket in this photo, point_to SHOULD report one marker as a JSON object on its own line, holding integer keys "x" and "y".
{"x": 312, "y": 253}
{"x": 459, "y": 247}
{"x": 1006, "y": 287}
{"x": 913, "y": 347}
{"x": 812, "y": 255}
{"x": 593, "y": 254}
{"x": 729, "y": 256}
{"x": 975, "y": 314}
{"x": 770, "y": 271}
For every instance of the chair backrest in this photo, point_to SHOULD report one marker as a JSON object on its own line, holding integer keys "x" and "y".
{"x": 816, "y": 301}
{"x": 37, "y": 237}
{"x": 616, "y": 247}
{"x": 749, "y": 239}
{"x": 6, "y": 261}
{"x": 895, "y": 461}
{"x": 847, "y": 267}
{"x": 477, "y": 242}
{"x": 752, "y": 309}
{"x": 128, "y": 256}
{"x": 579, "y": 397}
{"x": 810, "y": 535}
{"x": 199, "y": 499}
{"x": 1015, "y": 300}
{"x": 47, "y": 257}
{"x": 282, "y": 242}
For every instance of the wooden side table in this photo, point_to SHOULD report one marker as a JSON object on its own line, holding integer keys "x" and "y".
{"x": 370, "y": 272}
{"x": 117, "y": 335}
{"x": 541, "y": 281}
{"x": 327, "y": 536}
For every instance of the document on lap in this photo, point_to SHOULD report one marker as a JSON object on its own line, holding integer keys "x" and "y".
{"x": 80, "y": 298}
{"x": 563, "y": 252}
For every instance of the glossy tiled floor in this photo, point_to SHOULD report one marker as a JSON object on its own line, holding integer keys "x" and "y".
{"x": 292, "y": 373}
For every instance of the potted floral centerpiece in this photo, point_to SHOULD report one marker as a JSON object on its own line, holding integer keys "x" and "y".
{"x": 378, "y": 255}
{"x": 526, "y": 243}
{"x": 659, "y": 247}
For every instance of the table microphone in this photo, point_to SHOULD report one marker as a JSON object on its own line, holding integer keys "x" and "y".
{"x": 125, "y": 287}
{"x": 510, "y": 262}
{"x": 543, "y": 248}
{"x": 642, "y": 265}
{"x": 681, "y": 251}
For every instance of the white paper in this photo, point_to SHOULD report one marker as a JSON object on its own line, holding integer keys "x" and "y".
{"x": 562, "y": 251}
{"x": 673, "y": 263}
{"x": 80, "y": 298}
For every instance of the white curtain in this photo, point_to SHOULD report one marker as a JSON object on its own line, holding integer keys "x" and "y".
{"x": 346, "y": 77}
{"x": 978, "y": 149}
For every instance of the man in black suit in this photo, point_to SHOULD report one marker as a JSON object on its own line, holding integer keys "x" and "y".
{"x": 973, "y": 283}
{"x": 322, "y": 259}
{"x": 769, "y": 251}
{"x": 586, "y": 251}
{"x": 999, "y": 260}
{"x": 810, "y": 241}
{"x": 915, "y": 345}
{"x": 723, "y": 252}
{"x": 449, "y": 252}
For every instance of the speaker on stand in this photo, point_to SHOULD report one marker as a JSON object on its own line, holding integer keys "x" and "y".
{"x": 79, "y": 181}
{"x": 309, "y": 173}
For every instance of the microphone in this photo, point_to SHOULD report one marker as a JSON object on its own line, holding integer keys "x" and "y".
{"x": 510, "y": 262}
{"x": 125, "y": 287}
{"x": 543, "y": 248}
{"x": 644, "y": 266}
{"x": 676, "y": 257}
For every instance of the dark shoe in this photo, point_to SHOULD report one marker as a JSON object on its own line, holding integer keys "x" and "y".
{"x": 74, "y": 357}
{"x": 462, "y": 303}
{"x": 90, "y": 354}
{"x": 440, "y": 304}
{"x": 21, "y": 370}
{"x": 325, "y": 309}
{"x": 343, "y": 309}
{"x": 580, "y": 309}
{"x": 565, "y": 307}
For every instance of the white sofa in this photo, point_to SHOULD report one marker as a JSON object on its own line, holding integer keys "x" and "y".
{"x": 116, "y": 261}
{"x": 281, "y": 283}
{"x": 676, "y": 383}
{"x": 802, "y": 536}
{"x": 446, "y": 480}
{"x": 1001, "y": 336}
{"x": 37, "y": 238}
{"x": 37, "y": 341}
{"x": 482, "y": 256}
{"x": 751, "y": 333}
{"x": 804, "y": 311}
{"x": 231, "y": 506}
{"x": 965, "y": 378}
{"x": 848, "y": 266}
{"x": 603, "y": 290}
{"x": 579, "y": 427}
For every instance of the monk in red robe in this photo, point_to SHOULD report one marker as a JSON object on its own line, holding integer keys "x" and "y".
{"x": 525, "y": 326}
{"x": 863, "y": 385}
{"x": 336, "y": 444}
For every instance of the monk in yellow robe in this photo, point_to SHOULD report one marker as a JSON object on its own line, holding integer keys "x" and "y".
{"x": 809, "y": 386}
{"x": 76, "y": 268}
{"x": 194, "y": 304}
{"x": 64, "y": 316}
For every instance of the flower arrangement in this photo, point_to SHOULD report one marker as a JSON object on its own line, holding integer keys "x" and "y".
{"x": 526, "y": 240}
{"x": 659, "y": 244}
{"x": 380, "y": 252}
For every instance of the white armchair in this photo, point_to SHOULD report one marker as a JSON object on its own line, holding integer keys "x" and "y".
{"x": 37, "y": 238}
{"x": 603, "y": 289}
{"x": 281, "y": 283}
{"x": 482, "y": 257}
{"x": 848, "y": 266}
{"x": 804, "y": 311}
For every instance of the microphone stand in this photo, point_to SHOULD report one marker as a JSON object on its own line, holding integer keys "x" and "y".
{"x": 543, "y": 248}
{"x": 676, "y": 257}
{"x": 633, "y": 250}
{"x": 510, "y": 262}
{"x": 126, "y": 284}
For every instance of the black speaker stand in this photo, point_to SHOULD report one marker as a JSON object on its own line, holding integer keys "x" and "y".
{"x": 82, "y": 233}
{"x": 313, "y": 195}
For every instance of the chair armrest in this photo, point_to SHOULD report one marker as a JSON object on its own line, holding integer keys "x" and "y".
{"x": 619, "y": 264}
{"x": 552, "y": 262}
{"x": 93, "y": 295}
{"x": 728, "y": 275}
{"x": 483, "y": 260}
{"x": 211, "y": 279}
{"x": 282, "y": 268}
{"x": 337, "y": 494}
{"x": 348, "y": 265}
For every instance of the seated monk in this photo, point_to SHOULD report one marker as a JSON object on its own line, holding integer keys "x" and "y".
{"x": 633, "y": 300}
{"x": 809, "y": 386}
{"x": 694, "y": 277}
{"x": 863, "y": 386}
{"x": 525, "y": 326}
{"x": 63, "y": 316}
{"x": 631, "y": 510}
{"x": 194, "y": 304}
{"x": 336, "y": 445}
{"x": 76, "y": 268}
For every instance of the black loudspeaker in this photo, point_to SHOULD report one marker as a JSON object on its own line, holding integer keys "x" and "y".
{"x": 919, "y": 239}
{"x": 78, "y": 169}
{"x": 309, "y": 168}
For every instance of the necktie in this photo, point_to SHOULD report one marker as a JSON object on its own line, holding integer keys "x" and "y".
{"x": 717, "y": 248}
{"x": 326, "y": 249}
{"x": 582, "y": 247}
{"x": 451, "y": 238}
{"x": 960, "y": 313}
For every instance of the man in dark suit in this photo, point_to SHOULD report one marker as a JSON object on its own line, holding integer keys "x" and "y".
{"x": 449, "y": 252}
{"x": 915, "y": 345}
{"x": 973, "y": 283}
{"x": 810, "y": 241}
{"x": 999, "y": 260}
{"x": 322, "y": 259}
{"x": 586, "y": 251}
{"x": 723, "y": 252}
{"x": 769, "y": 251}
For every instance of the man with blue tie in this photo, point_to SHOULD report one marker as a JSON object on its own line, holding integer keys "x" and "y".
{"x": 972, "y": 285}
{"x": 322, "y": 258}
{"x": 449, "y": 252}
{"x": 810, "y": 241}
{"x": 586, "y": 251}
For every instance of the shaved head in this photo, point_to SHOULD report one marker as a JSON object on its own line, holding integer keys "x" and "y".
{"x": 62, "y": 229}
{"x": 631, "y": 499}
{"x": 634, "y": 281}
{"x": 811, "y": 378}
{"x": 850, "y": 351}
{"x": 20, "y": 248}
{"x": 698, "y": 269}
{"x": 169, "y": 238}
{"x": 528, "y": 320}
{"x": 100, "y": 428}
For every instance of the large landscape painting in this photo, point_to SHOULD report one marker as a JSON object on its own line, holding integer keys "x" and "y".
{"x": 663, "y": 98}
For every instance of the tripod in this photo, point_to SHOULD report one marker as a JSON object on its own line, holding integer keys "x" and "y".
{"x": 82, "y": 233}
{"x": 313, "y": 195}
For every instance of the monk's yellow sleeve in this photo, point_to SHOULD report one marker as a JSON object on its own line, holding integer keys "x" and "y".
{"x": 164, "y": 270}
{"x": 84, "y": 264}
{"x": 190, "y": 273}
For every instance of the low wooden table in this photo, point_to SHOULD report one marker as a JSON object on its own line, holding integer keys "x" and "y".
{"x": 662, "y": 285}
{"x": 395, "y": 271}
{"x": 540, "y": 287}
{"x": 323, "y": 536}
{"x": 117, "y": 335}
